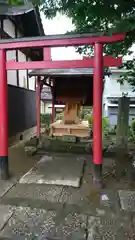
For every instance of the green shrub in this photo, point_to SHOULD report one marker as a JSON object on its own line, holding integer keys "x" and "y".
{"x": 59, "y": 116}
{"x": 90, "y": 121}
{"x": 105, "y": 124}
{"x": 84, "y": 113}
{"x": 132, "y": 130}
{"x": 112, "y": 130}
{"x": 133, "y": 126}
{"x": 46, "y": 118}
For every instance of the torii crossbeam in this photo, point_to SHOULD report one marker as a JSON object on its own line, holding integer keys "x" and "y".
{"x": 46, "y": 42}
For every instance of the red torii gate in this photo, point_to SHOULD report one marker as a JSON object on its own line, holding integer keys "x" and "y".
{"x": 56, "y": 41}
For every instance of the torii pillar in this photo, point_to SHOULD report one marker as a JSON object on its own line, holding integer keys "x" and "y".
{"x": 97, "y": 112}
{"x": 53, "y": 107}
{"x": 38, "y": 92}
{"x": 47, "y": 56}
{"x": 4, "y": 172}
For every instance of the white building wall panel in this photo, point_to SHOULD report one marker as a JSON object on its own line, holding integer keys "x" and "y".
{"x": 31, "y": 80}
{"x": 9, "y": 28}
{"x": 113, "y": 89}
{"x": 32, "y": 83}
{"x": 11, "y": 74}
{"x": 21, "y": 57}
{"x": 22, "y": 73}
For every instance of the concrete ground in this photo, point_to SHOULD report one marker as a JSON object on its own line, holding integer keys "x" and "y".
{"x": 19, "y": 162}
{"x": 50, "y": 212}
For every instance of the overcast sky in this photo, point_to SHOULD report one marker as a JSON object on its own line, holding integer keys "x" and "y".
{"x": 60, "y": 25}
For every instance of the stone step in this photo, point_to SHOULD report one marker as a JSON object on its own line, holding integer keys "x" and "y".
{"x": 48, "y": 197}
{"x": 36, "y": 195}
{"x": 57, "y": 197}
{"x": 56, "y": 170}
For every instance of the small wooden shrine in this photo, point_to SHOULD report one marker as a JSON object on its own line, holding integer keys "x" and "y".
{"x": 74, "y": 92}
{"x": 72, "y": 88}
{"x": 70, "y": 124}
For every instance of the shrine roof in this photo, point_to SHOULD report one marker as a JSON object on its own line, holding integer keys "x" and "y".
{"x": 73, "y": 82}
{"x": 62, "y": 72}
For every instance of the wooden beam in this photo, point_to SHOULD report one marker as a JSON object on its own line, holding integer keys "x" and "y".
{"x": 108, "y": 62}
{"x": 59, "y": 41}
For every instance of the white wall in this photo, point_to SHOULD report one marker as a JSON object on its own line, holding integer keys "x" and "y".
{"x": 22, "y": 73}
{"x": 11, "y": 75}
{"x": 31, "y": 80}
{"x": 9, "y": 28}
{"x": 111, "y": 86}
{"x": 48, "y": 108}
{"x": 11, "y": 55}
{"x": 113, "y": 89}
{"x": 45, "y": 108}
{"x": 42, "y": 107}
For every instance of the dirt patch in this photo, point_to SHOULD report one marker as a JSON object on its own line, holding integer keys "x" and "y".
{"x": 19, "y": 162}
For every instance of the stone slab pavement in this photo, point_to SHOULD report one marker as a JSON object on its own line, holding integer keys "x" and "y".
{"x": 5, "y": 186}
{"x": 34, "y": 223}
{"x": 109, "y": 218}
{"x": 40, "y": 224}
{"x": 51, "y": 212}
{"x": 57, "y": 170}
{"x": 5, "y": 214}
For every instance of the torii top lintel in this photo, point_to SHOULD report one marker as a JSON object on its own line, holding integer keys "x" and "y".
{"x": 60, "y": 40}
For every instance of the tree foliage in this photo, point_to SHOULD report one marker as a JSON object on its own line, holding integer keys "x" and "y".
{"x": 95, "y": 15}
{"x": 22, "y": 2}
{"x": 129, "y": 75}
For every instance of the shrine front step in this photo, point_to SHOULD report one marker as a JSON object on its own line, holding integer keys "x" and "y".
{"x": 59, "y": 146}
{"x": 56, "y": 170}
{"x": 48, "y": 197}
{"x": 34, "y": 195}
